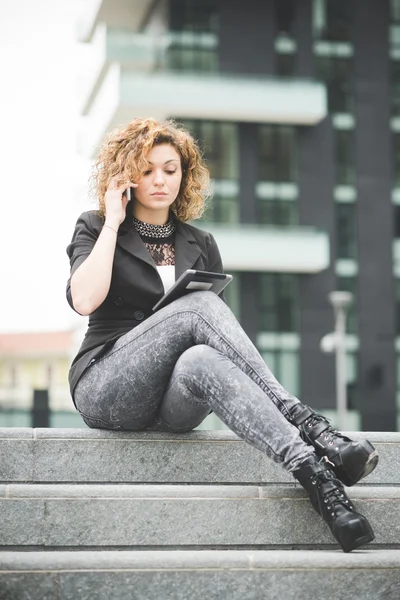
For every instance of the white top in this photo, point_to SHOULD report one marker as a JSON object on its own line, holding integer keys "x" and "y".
{"x": 167, "y": 274}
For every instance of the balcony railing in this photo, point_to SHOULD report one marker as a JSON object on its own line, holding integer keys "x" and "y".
{"x": 131, "y": 74}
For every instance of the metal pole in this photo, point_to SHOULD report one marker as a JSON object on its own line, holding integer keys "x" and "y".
{"x": 340, "y": 302}
{"x": 341, "y": 383}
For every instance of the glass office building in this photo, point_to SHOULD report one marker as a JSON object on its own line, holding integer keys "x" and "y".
{"x": 296, "y": 106}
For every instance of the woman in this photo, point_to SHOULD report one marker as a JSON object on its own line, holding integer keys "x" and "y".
{"x": 168, "y": 370}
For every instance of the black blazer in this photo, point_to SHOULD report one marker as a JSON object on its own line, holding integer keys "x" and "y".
{"x": 135, "y": 283}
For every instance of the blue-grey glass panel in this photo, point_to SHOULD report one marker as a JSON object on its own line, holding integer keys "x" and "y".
{"x": 346, "y": 243}
{"x": 345, "y": 167}
{"x": 394, "y": 38}
{"x": 353, "y": 398}
{"x": 396, "y": 221}
{"x": 290, "y": 372}
{"x": 10, "y": 417}
{"x": 277, "y": 152}
{"x": 278, "y": 302}
{"x": 332, "y": 20}
{"x": 396, "y": 158}
{"x": 397, "y": 292}
{"x": 395, "y": 11}
{"x": 270, "y": 358}
{"x": 219, "y": 144}
{"x": 337, "y": 73}
{"x": 212, "y": 423}
{"x": 192, "y": 15}
{"x": 190, "y": 53}
{"x": 66, "y": 419}
{"x": 223, "y": 208}
{"x": 192, "y": 59}
{"x": 349, "y": 284}
{"x": 395, "y": 96}
{"x": 277, "y": 212}
{"x": 232, "y": 294}
{"x": 284, "y": 11}
{"x": 286, "y": 64}
{"x": 284, "y": 365}
{"x": 398, "y": 374}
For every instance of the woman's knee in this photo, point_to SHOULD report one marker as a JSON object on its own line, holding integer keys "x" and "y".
{"x": 202, "y": 301}
{"x": 195, "y": 360}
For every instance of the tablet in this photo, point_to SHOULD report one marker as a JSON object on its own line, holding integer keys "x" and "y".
{"x": 192, "y": 281}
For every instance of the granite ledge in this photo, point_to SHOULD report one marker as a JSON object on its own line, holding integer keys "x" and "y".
{"x": 108, "y": 560}
{"x": 193, "y": 436}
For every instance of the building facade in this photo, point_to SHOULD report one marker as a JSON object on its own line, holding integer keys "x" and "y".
{"x": 296, "y": 106}
{"x": 34, "y": 368}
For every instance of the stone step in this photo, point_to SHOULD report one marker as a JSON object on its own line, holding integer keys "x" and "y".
{"x": 215, "y": 575}
{"x": 88, "y": 455}
{"x": 173, "y": 516}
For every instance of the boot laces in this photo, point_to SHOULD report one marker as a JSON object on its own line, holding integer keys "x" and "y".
{"x": 335, "y": 497}
{"x": 329, "y": 433}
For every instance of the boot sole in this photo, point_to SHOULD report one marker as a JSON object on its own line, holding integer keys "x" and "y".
{"x": 371, "y": 463}
{"x": 354, "y": 533}
{"x": 357, "y": 464}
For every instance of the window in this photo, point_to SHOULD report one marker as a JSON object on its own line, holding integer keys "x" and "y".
{"x": 286, "y": 64}
{"x": 277, "y": 151}
{"x": 345, "y": 230}
{"x": 223, "y": 208}
{"x": 285, "y": 56}
{"x": 345, "y": 169}
{"x": 285, "y": 366}
{"x": 396, "y": 221}
{"x": 337, "y": 73}
{"x": 185, "y": 56}
{"x": 219, "y": 143}
{"x": 284, "y": 17}
{"x": 279, "y": 302}
{"x": 395, "y": 11}
{"x": 194, "y": 33}
{"x": 353, "y": 397}
{"x": 332, "y": 20}
{"x": 277, "y": 212}
{"x": 349, "y": 284}
{"x": 397, "y": 287}
{"x": 396, "y": 159}
{"x": 192, "y": 15}
{"x": 395, "y": 97}
{"x": 232, "y": 294}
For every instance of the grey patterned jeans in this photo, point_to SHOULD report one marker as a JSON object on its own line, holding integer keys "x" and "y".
{"x": 188, "y": 359}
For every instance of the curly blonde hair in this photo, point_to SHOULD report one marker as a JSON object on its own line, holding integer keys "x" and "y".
{"x": 124, "y": 154}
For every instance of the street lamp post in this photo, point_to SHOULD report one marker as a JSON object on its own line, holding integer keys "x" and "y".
{"x": 340, "y": 302}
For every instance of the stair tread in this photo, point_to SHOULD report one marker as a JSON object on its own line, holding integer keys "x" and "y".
{"x": 196, "y": 559}
{"x": 178, "y": 491}
{"x": 198, "y": 457}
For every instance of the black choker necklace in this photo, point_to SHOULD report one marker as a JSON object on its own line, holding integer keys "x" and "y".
{"x": 154, "y": 231}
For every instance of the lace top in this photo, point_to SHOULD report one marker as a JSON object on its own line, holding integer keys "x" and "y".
{"x": 159, "y": 241}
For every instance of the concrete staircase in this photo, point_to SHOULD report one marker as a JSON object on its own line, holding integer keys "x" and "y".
{"x": 109, "y": 515}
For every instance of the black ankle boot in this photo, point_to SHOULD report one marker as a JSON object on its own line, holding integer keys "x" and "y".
{"x": 350, "y": 460}
{"x": 329, "y": 499}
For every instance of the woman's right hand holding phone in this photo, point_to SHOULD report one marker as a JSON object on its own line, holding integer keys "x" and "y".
{"x": 91, "y": 281}
{"x": 115, "y": 201}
